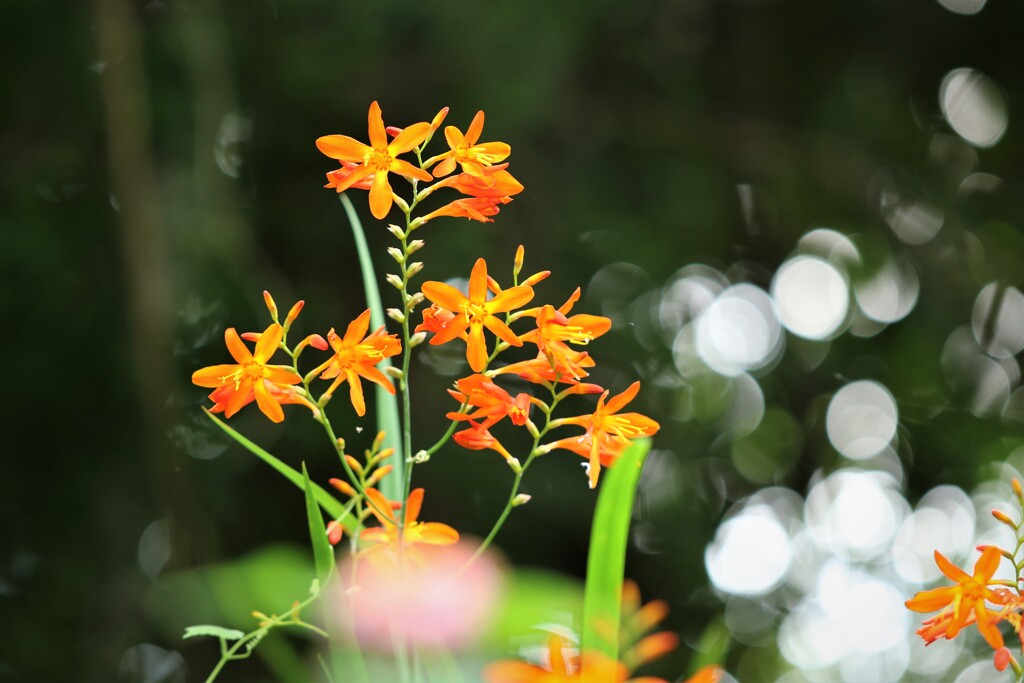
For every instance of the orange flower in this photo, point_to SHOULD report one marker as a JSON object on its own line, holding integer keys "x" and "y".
{"x": 376, "y": 159}
{"x": 340, "y": 177}
{"x": 568, "y": 369}
{"x": 554, "y": 331}
{"x": 568, "y": 666}
{"x": 479, "y": 438}
{"x": 473, "y": 208}
{"x": 476, "y": 312}
{"x": 496, "y": 181}
{"x": 963, "y": 603}
{"x": 471, "y": 156}
{"x": 387, "y": 534}
{"x": 238, "y": 385}
{"x": 436, "y": 319}
{"x": 493, "y": 402}
{"x": 608, "y": 431}
{"x": 355, "y": 357}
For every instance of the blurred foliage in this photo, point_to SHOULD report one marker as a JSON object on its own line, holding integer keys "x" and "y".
{"x": 649, "y": 136}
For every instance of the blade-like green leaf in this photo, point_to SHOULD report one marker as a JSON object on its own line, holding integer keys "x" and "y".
{"x": 606, "y": 561}
{"x": 323, "y": 553}
{"x": 214, "y": 631}
{"x": 387, "y": 403}
{"x": 713, "y": 646}
{"x": 328, "y": 502}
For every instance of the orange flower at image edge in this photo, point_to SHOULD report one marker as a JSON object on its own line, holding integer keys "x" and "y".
{"x": 588, "y": 668}
{"x": 963, "y": 603}
{"x": 235, "y": 386}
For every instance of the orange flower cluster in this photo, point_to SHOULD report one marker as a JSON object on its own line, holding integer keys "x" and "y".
{"x": 568, "y": 664}
{"x": 485, "y": 182}
{"x": 978, "y": 599}
{"x": 487, "y": 306}
{"x": 253, "y": 378}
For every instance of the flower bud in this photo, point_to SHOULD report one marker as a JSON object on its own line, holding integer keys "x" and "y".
{"x": 514, "y": 464}
{"x": 293, "y": 314}
{"x": 354, "y": 464}
{"x": 521, "y": 499}
{"x": 421, "y": 457}
{"x": 417, "y": 339}
{"x": 1017, "y": 489}
{"x": 1002, "y": 517}
{"x": 415, "y": 300}
{"x": 414, "y": 246}
{"x": 396, "y": 254}
{"x": 517, "y": 264}
{"x": 393, "y": 372}
{"x": 378, "y": 440}
{"x": 343, "y": 486}
{"x": 536, "y": 277}
{"x": 317, "y": 342}
{"x": 271, "y": 306}
{"x": 394, "y": 281}
{"x": 396, "y": 315}
{"x": 396, "y": 231}
{"x": 334, "y": 532}
{"x": 414, "y": 268}
{"x": 379, "y": 474}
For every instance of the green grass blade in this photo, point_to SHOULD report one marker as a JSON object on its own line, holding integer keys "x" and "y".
{"x": 323, "y": 553}
{"x": 606, "y": 561}
{"x": 328, "y": 502}
{"x": 387, "y": 403}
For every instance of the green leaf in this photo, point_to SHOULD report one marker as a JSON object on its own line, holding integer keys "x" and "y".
{"x": 323, "y": 553}
{"x": 328, "y": 502}
{"x": 713, "y": 645}
{"x": 214, "y": 631}
{"x": 387, "y": 403}
{"x": 606, "y": 561}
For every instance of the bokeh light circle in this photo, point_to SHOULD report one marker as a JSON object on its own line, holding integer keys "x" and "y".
{"x": 861, "y": 419}
{"x": 812, "y": 297}
{"x": 973, "y": 106}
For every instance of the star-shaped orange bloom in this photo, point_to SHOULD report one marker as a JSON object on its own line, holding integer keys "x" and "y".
{"x": 608, "y": 433}
{"x": 568, "y": 666}
{"x": 555, "y": 331}
{"x": 465, "y": 151}
{"x": 355, "y": 357}
{"x": 413, "y": 531}
{"x": 492, "y": 403}
{"x": 475, "y": 312}
{"x": 237, "y": 385}
{"x": 963, "y": 603}
{"x": 377, "y": 159}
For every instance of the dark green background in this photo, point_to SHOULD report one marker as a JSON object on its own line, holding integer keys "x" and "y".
{"x": 125, "y": 252}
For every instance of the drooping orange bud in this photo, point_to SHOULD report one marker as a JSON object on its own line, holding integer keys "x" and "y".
{"x": 517, "y": 264}
{"x": 334, "y": 532}
{"x": 293, "y": 314}
{"x": 1017, "y": 488}
{"x": 343, "y": 486}
{"x": 271, "y": 306}
{"x": 379, "y": 474}
{"x": 317, "y": 342}
{"x": 536, "y": 277}
{"x": 354, "y": 464}
{"x": 385, "y": 454}
{"x": 1002, "y": 657}
{"x": 654, "y": 646}
{"x": 1004, "y": 518}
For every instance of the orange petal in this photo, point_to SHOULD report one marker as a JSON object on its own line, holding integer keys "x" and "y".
{"x": 409, "y": 138}
{"x": 511, "y": 298}
{"x": 378, "y": 135}
{"x": 355, "y": 393}
{"x": 279, "y": 375}
{"x": 239, "y": 351}
{"x": 455, "y": 328}
{"x": 987, "y": 626}
{"x": 932, "y": 600}
{"x": 356, "y": 176}
{"x": 618, "y": 402}
{"x": 413, "y": 505}
{"x": 454, "y": 137}
{"x": 381, "y": 196}
{"x": 213, "y": 376}
{"x": 478, "y": 282}
{"x": 267, "y": 404}
{"x": 268, "y": 343}
{"x": 988, "y": 563}
{"x": 951, "y": 570}
{"x": 436, "y": 533}
{"x": 475, "y": 129}
{"x": 514, "y": 672}
{"x": 380, "y": 507}
{"x": 404, "y": 168}
{"x": 444, "y": 295}
{"x": 342, "y": 147}
{"x": 446, "y": 166}
{"x": 375, "y": 376}
{"x": 357, "y": 328}
{"x": 476, "y": 348}
{"x": 500, "y": 329}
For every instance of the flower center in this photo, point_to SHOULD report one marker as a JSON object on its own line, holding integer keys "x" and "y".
{"x": 475, "y": 312}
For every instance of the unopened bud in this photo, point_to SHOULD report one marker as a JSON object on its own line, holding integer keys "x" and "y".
{"x": 385, "y": 454}
{"x": 417, "y": 339}
{"x": 343, "y": 486}
{"x": 334, "y": 532}
{"x": 379, "y": 474}
{"x": 414, "y": 268}
{"x": 421, "y": 457}
{"x": 396, "y": 315}
{"x": 536, "y": 277}
{"x": 401, "y": 203}
{"x": 396, "y": 254}
{"x": 414, "y": 246}
{"x": 521, "y": 498}
{"x": 317, "y": 342}
{"x": 271, "y": 306}
{"x": 378, "y": 440}
{"x": 341, "y": 444}
{"x": 513, "y": 463}
{"x": 396, "y": 231}
{"x": 532, "y": 428}
{"x": 293, "y": 314}
{"x": 354, "y": 464}
{"x": 394, "y": 372}
{"x": 1017, "y": 489}
{"x": 415, "y": 300}
{"x": 1004, "y": 518}
{"x": 394, "y": 280}
{"x": 517, "y": 264}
